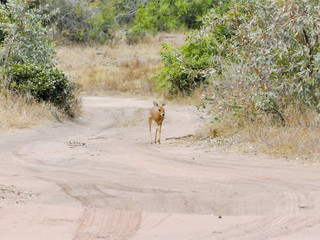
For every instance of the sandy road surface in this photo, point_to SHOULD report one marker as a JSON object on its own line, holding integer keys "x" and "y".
{"x": 100, "y": 178}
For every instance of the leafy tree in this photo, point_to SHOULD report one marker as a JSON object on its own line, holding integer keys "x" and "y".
{"x": 189, "y": 66}
{"x": 27, "y": 56}
{"x": 102, "y": 22}
{"x": 167, "y": 15}
{"x": 71, "y": 19}
{"x": 26, "y": 38}
{"x": 265, "y": 56}
{"x": 125, "y": 10}
{"x": 278, "y": 44}
{"x": 81, "y": 21}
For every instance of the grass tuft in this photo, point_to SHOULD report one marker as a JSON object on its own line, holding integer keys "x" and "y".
{"x": 299, "y": 138}
{"x": 22, "y": 112}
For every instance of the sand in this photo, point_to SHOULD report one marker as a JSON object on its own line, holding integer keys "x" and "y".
{"x": 99, "y": 177}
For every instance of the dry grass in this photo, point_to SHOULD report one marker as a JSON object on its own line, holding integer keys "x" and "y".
{"x": 298, "y": 139}
{"x": 20, "y": 112}
{"x": 119, "y": 68}
{"x": 194, "y": 99}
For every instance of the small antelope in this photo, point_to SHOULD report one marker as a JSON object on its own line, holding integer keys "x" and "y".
{"x": 157, "y": 114}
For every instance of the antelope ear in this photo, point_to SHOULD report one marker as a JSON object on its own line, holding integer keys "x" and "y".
{"x": 163, "y": 104}
{"x": 155, "y": 104}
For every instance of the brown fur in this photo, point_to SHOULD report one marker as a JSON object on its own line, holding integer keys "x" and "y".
{"x": 157, "y": 114}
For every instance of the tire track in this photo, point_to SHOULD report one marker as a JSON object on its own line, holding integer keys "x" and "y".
{"x": 101, "y": 222}
{"x": 271, "y": 227}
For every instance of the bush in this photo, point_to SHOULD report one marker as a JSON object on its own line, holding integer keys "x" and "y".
{"x": 134, "y": 35}
{"x": 278, "y": 55}
{"x": 84, "y": 21}
{"x": 26, "y": 39}
{"x": 185, "y": 68}
{"x": 44, "y": 84}
{"x": 255, "y": 62}
{"x": 191, "y": 65}
{"x": 125, "y": 10}
{"x": 71, "y": 18}
{"x": 81, "y": 21}
{"x": 102, "y": 23}
{"x": 168, "y": 15}
{"x": 27, "y": 61}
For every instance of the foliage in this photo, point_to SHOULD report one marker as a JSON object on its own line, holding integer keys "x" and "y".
{"x": 188, "y": 67}
{"x": 278, "y": 45}
{"x": 26, "y": 38}
{"x": 168, "y": 15}
{"x": 125, "y": 10}
{"x": 84, "y": 21}
{"x": 81, "y": 21}
{"x": 44, "y": 84}
{"x": 2, "y": 34}
{"x": 71, "y": 20}
{"x": 102, "y": 22}
{"x": 265, "y": 56}
{"x": 27, "y": 56}
{"x": 134, "y": 35}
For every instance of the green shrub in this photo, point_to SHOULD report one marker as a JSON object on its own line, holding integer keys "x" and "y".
{"x": 278, "y": 54}
{"x": 26, "y": 38}
{"x": 71, "y": 18}
{"x": 185, "y": 67}
{"x": 254, "y": 61}
{"x": 134, "y": 35}
{"x": 102, "y": 23}
{"x": 27, "y": 61}
{"x": 191, "y": 65}
{"x": 168, "y": 15}
{"x": 125, "y": 10}
{"x": 81, "y": 21}
{"x": 44, "y": 84}
{"x": 2, "y": 34}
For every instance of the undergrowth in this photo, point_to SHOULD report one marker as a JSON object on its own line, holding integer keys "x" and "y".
{"x": 19, "y": 112}
{"x": 298, "y": 138}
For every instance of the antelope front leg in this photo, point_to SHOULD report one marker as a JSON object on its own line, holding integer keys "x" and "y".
{"x": 150, "y": 122}
{"x": 155, "y": 138}
{"x": 159, "y": 133}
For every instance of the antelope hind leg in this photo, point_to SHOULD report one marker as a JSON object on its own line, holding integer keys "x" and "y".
{"x": 159, "y": 133}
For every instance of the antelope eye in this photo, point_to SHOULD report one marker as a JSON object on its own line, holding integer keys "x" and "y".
{"x": 159, "y": 110}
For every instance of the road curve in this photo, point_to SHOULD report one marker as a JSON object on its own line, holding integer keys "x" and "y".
{"x": 100, "y": 178}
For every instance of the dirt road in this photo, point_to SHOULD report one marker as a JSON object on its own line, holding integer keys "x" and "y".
{"x": 100, "y": 178}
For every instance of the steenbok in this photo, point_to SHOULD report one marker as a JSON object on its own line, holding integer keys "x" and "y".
{"x": 157, "y": 114}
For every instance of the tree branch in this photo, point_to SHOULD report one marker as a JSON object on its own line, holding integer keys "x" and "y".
{"x": 244, "y": 46}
